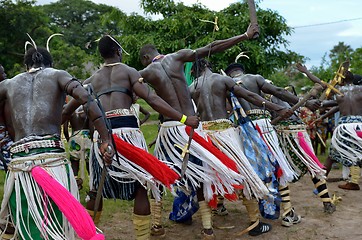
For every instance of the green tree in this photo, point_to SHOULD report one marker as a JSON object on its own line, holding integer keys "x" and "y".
{"x": 181, "y": 27}
{"x": 356, "y": 61}
{"x": 17, "y": 19}
{"x": 339, "y": 53}
{"x": 80, "y": 21}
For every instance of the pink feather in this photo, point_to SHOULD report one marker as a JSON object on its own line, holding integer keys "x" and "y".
{"x": 68, "y": 205}
{"x": 359, "y": 133}
{"x": 308, "y": 150}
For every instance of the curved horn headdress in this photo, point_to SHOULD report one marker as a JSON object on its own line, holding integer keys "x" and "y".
{"x": 119, "y": 45}
{"x": 32, "y": 43}
{"x": 49, "y": 38}
{"x": 242, "y": 54}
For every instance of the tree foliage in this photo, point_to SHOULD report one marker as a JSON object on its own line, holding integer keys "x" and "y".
{"x": 80, "y": 21}
{"x": 17, "y": 19}
{"x": 181, "y": 27}
{"x": 83, "y": 22}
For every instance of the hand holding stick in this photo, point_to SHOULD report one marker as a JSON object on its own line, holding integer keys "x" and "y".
{"x": 312, "y": 93}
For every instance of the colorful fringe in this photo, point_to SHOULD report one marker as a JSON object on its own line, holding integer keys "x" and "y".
{"x": 295, "y": 137}
{"x": 216, "y": 171}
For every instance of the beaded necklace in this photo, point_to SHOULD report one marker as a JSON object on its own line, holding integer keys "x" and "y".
{"x": 159, "y": 56}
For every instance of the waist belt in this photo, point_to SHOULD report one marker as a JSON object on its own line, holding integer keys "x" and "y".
{"x": 297, "y": 128}
{"x": 26, "y": 164}
{"x": 219, "y": 124}
{"x": 36, "y": 144}
{"x": 120, "y": 112}
{"x": 258, "y": 112}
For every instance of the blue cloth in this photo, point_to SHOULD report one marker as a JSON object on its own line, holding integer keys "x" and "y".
{"x": 262, "y": 161}
{"x": 184, "y": 206}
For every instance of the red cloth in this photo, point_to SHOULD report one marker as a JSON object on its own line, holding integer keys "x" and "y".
{"x": 159, "y": 170}
{"x": 214, "y": 150}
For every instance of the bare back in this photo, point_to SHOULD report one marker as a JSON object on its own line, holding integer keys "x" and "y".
{"x": 167, "y": 78}
{"x": 209, "y": 94}
{"x": 114, "y": 77}
{"x": 35, "y": 101}
{"x": 252, "y": 83}
{"x": 351, "y": 102}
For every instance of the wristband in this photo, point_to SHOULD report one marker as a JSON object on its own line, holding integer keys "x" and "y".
{"x": 183, "y": 119}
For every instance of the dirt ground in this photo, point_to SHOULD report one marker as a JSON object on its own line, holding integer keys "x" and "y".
{"x": 345, "y": 223}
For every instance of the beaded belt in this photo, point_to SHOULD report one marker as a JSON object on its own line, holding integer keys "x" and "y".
{"x": 35, "y": 144}
{"x": 258, "y": 112}
{"x": 292, "y": 128}
{"x": 26, "y": 164}
{"x": 120, "y": 112}
{"x": 219, "y": 124}
{"x": 350, "y": 119}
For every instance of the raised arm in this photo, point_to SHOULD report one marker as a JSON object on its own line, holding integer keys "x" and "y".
{"x": 303, "y": 69}
{"x": 329, "y": 113}
{"x": 255, "y": 99}
{"x": 285, "y": 95}
{"x": 187, "y": 55}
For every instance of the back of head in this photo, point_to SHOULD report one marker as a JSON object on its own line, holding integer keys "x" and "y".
{"x": 37, "y": 57}
{"x": 199, "y": 67}
{"x": 147, "y": 49}
{"x": 233, "y": 67}
{"x": 107, "y": 46}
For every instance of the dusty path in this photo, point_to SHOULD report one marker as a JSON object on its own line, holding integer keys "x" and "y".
{"x": 344, "y": 224}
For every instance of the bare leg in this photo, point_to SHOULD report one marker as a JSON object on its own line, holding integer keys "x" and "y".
{"x": 328, "y": 165}
{"x": 141, "y": 214}
{"x": 92, "y": 194}
{"x": 75, "y": 167}
{"x": 141, "y": 202}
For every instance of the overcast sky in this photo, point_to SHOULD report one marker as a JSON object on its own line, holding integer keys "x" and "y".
{"x": 313, "y": 41}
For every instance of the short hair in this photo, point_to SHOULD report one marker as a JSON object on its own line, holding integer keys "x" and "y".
{"x": 234, "y": 66}
{"x": 199, "y": 66}
{"x": 107, "y": 46}
{"x": 146, "y": 49}
{"x": 37, "y": 57}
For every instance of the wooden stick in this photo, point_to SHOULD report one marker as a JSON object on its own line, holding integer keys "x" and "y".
{"x": 253, "y": 17}
{"x": 312, "y": 93}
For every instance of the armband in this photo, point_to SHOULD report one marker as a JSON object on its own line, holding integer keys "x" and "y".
{"x": 183, "y": 119}
{"x": 68, "y": 83}
{"x": 97, "y": 118}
